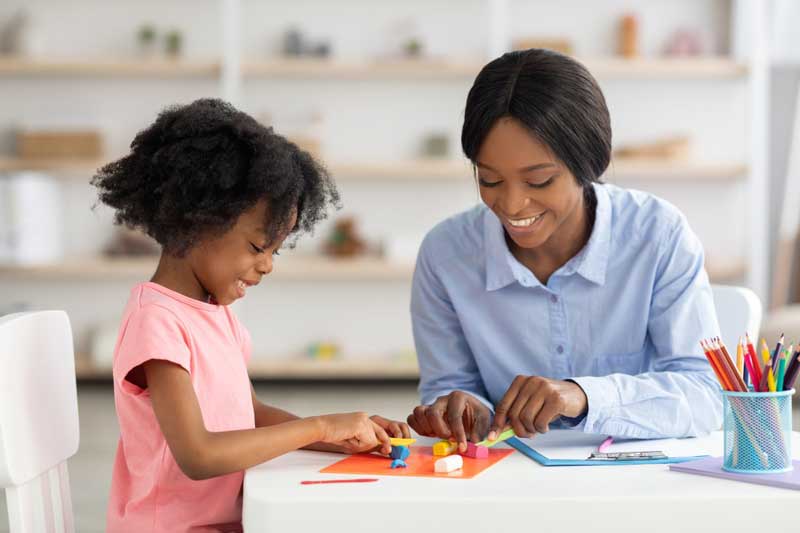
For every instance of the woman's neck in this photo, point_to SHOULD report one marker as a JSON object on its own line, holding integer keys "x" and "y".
{"x": 564, "y": 244}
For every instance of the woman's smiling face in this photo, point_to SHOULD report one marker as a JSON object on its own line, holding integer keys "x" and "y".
{"x": 532, "y": 193}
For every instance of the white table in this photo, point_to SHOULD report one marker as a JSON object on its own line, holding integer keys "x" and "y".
{"x": 515, "y": 493}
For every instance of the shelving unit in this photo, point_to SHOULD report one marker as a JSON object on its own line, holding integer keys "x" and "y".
{"x": 692, "y": 68}
{"x": 425, "y": 169}
{"x": 298, "y": 368}
{"x": 109, "y": 68}
{"x": 297, "y": 269}
{"x": 237, "y": 74}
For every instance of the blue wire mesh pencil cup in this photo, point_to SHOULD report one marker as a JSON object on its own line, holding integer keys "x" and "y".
{"x": 758, "y": 432}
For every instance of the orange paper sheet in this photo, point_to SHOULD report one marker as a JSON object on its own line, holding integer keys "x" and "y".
{"x": 420, "y": 464}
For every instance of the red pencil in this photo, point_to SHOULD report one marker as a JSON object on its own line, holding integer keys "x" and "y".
{"x": 326, "y": 481}
{"x": 751, "y": 351}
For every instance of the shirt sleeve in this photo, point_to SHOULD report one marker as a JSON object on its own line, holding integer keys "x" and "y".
{"x": 151, "y": 332}
{"x": 446, "y": 362}
{"x": 680, "y": 397}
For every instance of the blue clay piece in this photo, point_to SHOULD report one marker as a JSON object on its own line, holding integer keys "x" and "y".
{"x": 399, "y": 463}
{"x": 400, "y": 452}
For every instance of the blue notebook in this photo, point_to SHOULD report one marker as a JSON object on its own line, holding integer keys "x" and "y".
{"x": 712, "y": 466}
{"x": 574, "y": 448}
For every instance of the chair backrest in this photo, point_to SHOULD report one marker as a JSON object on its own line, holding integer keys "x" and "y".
{"x": 738, "y": 311}
{"x": 38, "y": 420}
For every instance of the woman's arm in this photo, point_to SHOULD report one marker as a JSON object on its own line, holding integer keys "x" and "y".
{"x": 680, "y": 397}
{"x": 446, "y": 363}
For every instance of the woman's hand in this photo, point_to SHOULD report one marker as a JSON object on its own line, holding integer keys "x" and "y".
{"x": 532, "y": 402}
{"x": 456, "y": 416}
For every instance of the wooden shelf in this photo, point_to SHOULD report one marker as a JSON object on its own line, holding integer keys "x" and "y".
{"x": 299, "y": 368}
{"x": 412, "y": 170}
{"x": 644, "y": 68}
{"x": 463, "y": 69}
{"x": 684, "y": 171}
{"x": 318, "y": 268}
{"x": 77, "y": 166}
{"x": 112, "y": 68}
{"x": 666, "y": 68}
{"x": 321, "y": 268}
{"x": 621, "y": 170}
{"x": 360, "y": 70}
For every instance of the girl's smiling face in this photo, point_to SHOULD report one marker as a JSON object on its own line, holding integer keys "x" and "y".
{"x": 227, "y": 265}
{"x": 533, "y": 194}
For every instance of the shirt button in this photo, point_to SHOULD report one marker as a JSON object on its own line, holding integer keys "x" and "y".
{"x": 560, "y": 349}
{"x": 553, "y": 298}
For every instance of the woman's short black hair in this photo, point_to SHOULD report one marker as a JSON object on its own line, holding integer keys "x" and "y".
{"x": 199, "y": 166}
{"x": 554, "y": 97}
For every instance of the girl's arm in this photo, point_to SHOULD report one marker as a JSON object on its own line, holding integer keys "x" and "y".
{"x": 266, "y": 415}
{"x": 202, "y": 454}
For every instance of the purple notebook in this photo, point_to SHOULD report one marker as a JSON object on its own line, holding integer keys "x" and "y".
{"x": 712, "y": 466}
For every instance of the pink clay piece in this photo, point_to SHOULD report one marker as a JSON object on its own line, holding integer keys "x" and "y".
{"x": 477, "y": 452}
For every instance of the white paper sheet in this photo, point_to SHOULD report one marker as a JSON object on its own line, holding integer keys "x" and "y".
{"x": 568, "y": 444}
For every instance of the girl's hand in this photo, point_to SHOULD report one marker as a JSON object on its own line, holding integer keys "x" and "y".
{"x": 532, "y": 402}
{"x": 455, "y": 417}
{"x": 392, "y": 427}
{"x": 354, "y": 433}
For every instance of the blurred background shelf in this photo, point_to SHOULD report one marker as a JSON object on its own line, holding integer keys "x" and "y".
{"x": 298, "y": 368}
{"x": 111, "y": 67}
{"x": 658, "y": 68}
{"x": 423, "y": 169}
{"x": 709, "y": 67}
{"x": 320, "y": 268}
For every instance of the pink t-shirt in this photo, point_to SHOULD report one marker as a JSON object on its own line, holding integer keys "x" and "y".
{"x": 149, "y": 492}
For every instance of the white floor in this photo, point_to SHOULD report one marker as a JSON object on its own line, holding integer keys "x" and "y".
{"x": 90, "y": 469}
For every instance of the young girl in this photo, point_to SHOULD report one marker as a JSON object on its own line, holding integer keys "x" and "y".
{"x": 221, "y": 194}
{"x": 560, "y": 299}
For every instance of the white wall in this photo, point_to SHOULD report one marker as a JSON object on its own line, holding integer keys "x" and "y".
{"x": 362, "y": 120}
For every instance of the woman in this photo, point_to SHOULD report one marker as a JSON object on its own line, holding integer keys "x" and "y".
{"x": 559, "y": 300}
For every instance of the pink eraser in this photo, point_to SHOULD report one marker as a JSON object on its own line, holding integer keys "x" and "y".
{"x": 477, "y": 452}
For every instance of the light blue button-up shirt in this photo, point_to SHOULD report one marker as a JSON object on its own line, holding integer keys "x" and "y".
{"x": 623, "y": 318}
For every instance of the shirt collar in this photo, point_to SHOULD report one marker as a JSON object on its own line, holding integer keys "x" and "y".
{"x": 594, "y": 256}
{"x": 502, "y": 268}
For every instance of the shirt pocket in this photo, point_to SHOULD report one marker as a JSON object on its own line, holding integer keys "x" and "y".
{"x": 629, "y": 363}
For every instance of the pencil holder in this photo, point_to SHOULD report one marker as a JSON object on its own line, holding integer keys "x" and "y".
{"x": 758, "y": 431}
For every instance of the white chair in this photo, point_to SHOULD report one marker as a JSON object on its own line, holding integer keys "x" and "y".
{"x": 38, "y": 420}
{"x": 738, "y": 311}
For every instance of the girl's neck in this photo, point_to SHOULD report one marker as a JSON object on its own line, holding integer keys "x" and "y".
{"x": 176, "y": 274}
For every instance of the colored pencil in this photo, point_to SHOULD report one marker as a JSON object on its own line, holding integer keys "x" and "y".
{"x": 733, "y": 375}
{"x": 781, "y": 374}
{"x": 712, "y": 359}
{"x": 756, "y": 370}
{"x": 327, "y": 481}
{"x": 791, "y": 374}
{"x": 764, "y": 385}
{"x": 777, "y": 352}
{"x": 748, "y": 364}
{"x": 745, "y": 373}
{"x": 764, "y": 351}
{"x": 739, "y": 357}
